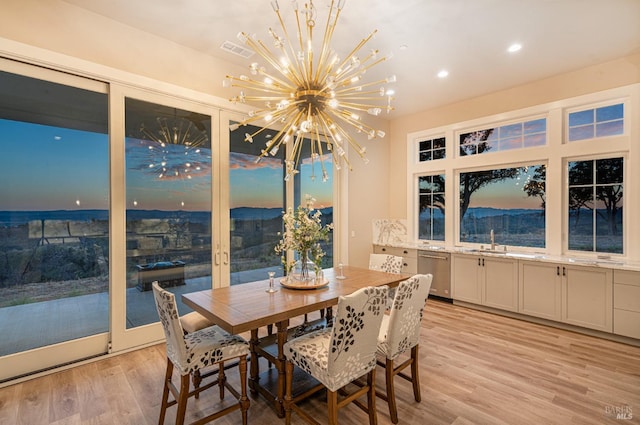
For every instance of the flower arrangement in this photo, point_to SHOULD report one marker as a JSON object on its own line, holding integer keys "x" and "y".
{"x": 303, "y": 232}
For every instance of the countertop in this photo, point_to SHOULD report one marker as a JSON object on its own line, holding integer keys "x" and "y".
{"x": 612, "y": 262}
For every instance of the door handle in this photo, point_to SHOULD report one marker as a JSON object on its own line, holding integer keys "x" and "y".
{"x": 226, "y": 258}
{"x": 216, "y": 258}
{"x": 435, "y": 257}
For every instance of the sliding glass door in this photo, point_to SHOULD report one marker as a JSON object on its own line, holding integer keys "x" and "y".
{"x": 54, "y": 219}
{"x": 168, "y": 206}
{"x": 258, "y": 194}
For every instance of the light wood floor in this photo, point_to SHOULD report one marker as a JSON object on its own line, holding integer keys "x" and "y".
{"x": 476, "y": 368}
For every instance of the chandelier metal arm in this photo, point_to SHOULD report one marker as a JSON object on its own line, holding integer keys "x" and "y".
{"x": 356, "y": 49}
{"x": 326, "y": 41}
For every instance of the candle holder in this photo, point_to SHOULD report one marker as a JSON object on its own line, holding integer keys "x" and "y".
{"x": 271, "y": 282}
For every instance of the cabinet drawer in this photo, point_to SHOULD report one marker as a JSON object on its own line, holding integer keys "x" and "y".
{"x": 392, "y": 250}
{"x": 626, "y": 323}
{"x": 626, "y": 297}
{"x": 409, "y": 265}
{"x": 627, "y": 277}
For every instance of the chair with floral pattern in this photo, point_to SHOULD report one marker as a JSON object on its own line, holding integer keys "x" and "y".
{"x": 192, "y": 322}
{"x": 195, "y": 351}
{"x": 389, "y": 264}
{"x": 339, "y": 355}
{"x": 400, "y": 332}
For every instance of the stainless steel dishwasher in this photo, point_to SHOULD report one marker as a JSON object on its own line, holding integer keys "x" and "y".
{"x": 439, "y": 265}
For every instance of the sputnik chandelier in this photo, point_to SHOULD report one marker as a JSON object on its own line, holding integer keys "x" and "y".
{"x": 311, "y": 96}
{"x": 175, "y": 148}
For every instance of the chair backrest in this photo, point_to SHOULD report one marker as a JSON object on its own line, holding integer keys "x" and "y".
{"x": 355, "y": 332}
{"x": 385, "y": 263}
{"x": 403, "y": 331}
{"x": 173, "y": 332}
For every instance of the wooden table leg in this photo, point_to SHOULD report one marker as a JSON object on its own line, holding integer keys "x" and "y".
{"x": 282, "y": 339}
{"x": 254, "y": 367}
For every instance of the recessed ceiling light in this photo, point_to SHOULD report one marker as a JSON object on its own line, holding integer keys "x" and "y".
{"x": 514, "y": 47}
{"x": 403, "y": 47}
{"x": 390, "y": 92}
{"x": 443, "y": 74}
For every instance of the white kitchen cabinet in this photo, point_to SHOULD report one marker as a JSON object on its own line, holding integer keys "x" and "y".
{"x": 587, "y": 297}
{"x": 574, "y": 294}
{"x": 626, "y": 303}
{"x": 486, "y": 280}
{"x": 409, "y": 256}
{"x": 540, "y": 290}
{"x": 465, "y": 281}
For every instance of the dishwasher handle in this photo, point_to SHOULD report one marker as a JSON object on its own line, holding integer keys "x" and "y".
{"x": 435, "y": 257}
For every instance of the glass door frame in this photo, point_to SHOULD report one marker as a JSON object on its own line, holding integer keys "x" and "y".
{"x": 339, "y": 178}
{"x": 42, "y": 358}
{"x": 123, "y": 338}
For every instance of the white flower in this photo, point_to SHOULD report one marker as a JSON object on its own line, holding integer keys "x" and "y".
{"x": 303, "y": 233}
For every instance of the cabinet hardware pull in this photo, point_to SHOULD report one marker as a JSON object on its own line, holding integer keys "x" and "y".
{"x": 478, "y": 262}
{"x": 483, "y": 262}
{"x": 435, "y": 257}
{"x": 558, "y": 271}
{"x": 564, "y": 271}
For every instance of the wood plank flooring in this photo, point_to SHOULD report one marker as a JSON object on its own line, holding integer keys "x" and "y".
{"x": 476, "y": 368}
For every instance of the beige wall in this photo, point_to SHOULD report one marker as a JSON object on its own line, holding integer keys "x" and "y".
{"x": 595, "y": 78}
{"x": 63, "y": 28}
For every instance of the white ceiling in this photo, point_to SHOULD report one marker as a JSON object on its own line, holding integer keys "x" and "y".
{"x": 469, "y": 38}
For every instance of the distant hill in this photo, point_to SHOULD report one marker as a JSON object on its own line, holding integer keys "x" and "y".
{"x": 483, "y": 212}
{"x": 15, "y": 218}
{"x": 489, "y": 212}
{"x": 250, "y": 213}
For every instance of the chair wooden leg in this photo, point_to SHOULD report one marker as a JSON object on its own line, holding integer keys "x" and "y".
{"x": 196, "y": 379}
{"x": 288, "y": 370}
{"x": 391, "y": 395}
{"x": 165, "y": 392}
{"x": 222, "y": 379}
{"x": 371, "y": 397}
{"x": 332, "y": 407}
{"x": 244, "y": 400}
{"x": 182, "y": 399}
{"x": 415, "y": 374}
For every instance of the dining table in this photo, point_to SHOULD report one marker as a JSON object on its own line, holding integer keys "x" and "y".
{"x": 248, "y": 307}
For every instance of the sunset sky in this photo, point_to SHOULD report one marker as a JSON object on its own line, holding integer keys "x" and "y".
{"x": 62, "y": 169}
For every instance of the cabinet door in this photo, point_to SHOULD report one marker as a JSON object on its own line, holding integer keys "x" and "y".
{"x": 540, "y": 290}
{"x": 500, "y": 289}
{"x": 588, "y": 297}
{"x": 465, "y": 285}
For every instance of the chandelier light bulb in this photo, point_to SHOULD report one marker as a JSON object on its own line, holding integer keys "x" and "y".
{"x": 315, "y": 96}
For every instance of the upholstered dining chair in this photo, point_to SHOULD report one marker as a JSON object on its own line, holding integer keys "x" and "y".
{"x": 389, "y": 264}
{"x": 339, "y": 355}
{"x": 195, "y": 351}
{"x": 192, "y": 322}
{"x": 400, "y": 332}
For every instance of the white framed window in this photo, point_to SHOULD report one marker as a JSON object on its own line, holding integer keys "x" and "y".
{"x": 432, "y": 149}
{"x": 595, "y": 205}
{"x": 595, "y": 122}
{"x": 518, "y": 135}
{"x": 431, "y": 200}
